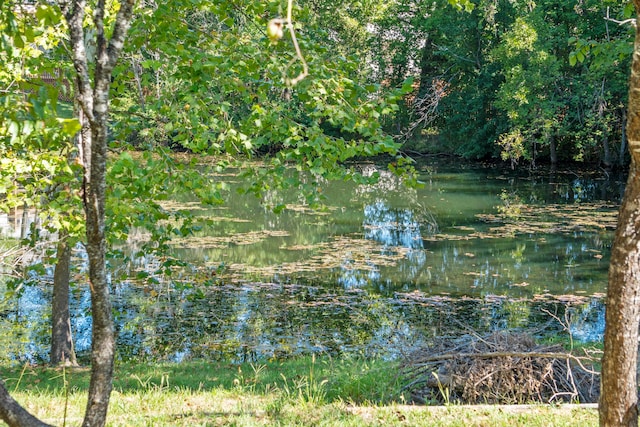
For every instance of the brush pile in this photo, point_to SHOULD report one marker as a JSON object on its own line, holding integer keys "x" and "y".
{"x": 499, "y": 368}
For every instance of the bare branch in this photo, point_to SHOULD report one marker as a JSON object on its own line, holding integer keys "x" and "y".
{"x": 631, "y": 21}
{"x": 449, "y": 356}
{"x": 424, "y": 108}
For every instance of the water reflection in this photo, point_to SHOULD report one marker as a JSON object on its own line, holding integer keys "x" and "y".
{"x": 252, "y": 321}
{"x": 380, "y": 270}
{"x": 395, "y": 230}
{"x": 587, "y": 323}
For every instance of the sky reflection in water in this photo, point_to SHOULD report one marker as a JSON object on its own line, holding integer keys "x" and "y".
{"x": 421, "y": 262}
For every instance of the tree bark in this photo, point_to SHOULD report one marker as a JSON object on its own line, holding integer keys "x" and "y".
{"x": 15, "y": 415}
{"x": 619, "y": 399}
{"x": 62, "y": 351}
{"x": 94, "y": 101}
{"x": 618, "y": 403}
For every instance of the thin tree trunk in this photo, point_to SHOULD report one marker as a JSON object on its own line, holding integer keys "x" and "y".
{"x": 135, "y": 67}
{"x": 94, "y": 162}
{"x": 553, "y": 151}
{"x": 103, "y": 340}
{"x": 619, "y": 399}
{"x": 62, "y": 352}
{"x": 24, "y": 226}
{"x": 95, "y": 102}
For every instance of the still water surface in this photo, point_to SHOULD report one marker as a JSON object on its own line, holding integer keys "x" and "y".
{"x": 447, "y": 238}
{"x": 378, "y": 271}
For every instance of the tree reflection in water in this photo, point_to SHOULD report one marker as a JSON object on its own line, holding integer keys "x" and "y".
{"x": 252, "y": 321}
{"x": 395, "y": 229}
{"x": 382, "y": 269}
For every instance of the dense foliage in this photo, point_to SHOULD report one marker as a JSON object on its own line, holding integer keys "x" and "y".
{"x": 521, "y": 80}
{"x": 225, "y": 87}
{"x": 540, "y": 82}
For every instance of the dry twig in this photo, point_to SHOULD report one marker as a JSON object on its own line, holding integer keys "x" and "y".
{"x": 502, "y": 367}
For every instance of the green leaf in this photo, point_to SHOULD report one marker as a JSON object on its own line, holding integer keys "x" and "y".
{"x": 279, "y": 208}
{"x": 18, "y": 41}
{"x": 47, "y": 15}
{"x": 70, "y": 126}
{"x": 407, "y": 85}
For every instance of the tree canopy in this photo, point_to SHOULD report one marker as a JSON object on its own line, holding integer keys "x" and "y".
{"x": 542, "y": 82}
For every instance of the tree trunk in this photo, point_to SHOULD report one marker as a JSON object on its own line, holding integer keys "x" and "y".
{"x": 102, "y": 339}
{"x": 618, "y": 403}
{"x": 94, "y": 100}
{"x": 135, "y": 67}
{"x": 553, "y": 151}
{"x": 15, "y": 415}
{"x": 619, "y": 399}
{"x": 607, "y": 160}
{"x": 24, "y": 226}
{"x": 62, "y": 352}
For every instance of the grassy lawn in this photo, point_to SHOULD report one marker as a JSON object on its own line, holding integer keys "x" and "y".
{"x": 299, "y": 392}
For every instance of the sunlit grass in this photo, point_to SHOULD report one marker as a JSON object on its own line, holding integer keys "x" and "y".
{"x": 349, "y": 379}
{"x": 298, "y": 392}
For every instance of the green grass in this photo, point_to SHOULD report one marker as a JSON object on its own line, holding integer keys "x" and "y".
{"x": 298, "y": 392}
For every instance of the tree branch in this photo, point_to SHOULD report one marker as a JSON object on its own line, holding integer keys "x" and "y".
{"x": 15, "y": 415}
{"x": 123, "y": 22}
{"x": 631, "y": 21}
{"x": 74, "y": 14}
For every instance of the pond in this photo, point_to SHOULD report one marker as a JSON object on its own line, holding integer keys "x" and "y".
{"x": 377, "y": 271}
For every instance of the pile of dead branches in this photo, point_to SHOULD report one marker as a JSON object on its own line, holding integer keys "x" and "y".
{"x": 499, "y": 368}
